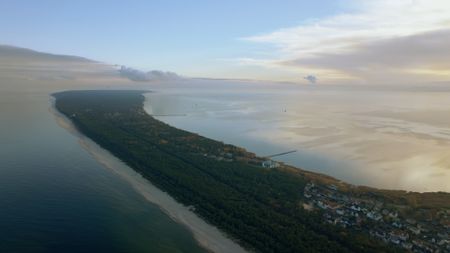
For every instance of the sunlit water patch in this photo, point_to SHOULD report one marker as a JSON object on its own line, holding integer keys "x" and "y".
{"x": 384, "y": 138}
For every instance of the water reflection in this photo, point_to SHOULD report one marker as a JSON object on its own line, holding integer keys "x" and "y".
{"x": 389, "y": 138}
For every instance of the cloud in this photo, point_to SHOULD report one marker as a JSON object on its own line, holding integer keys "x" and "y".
{"x": 310, "y": 78}
{"x": 141, "y": 76}
{"x": 398, "y": 40}
{"x": 397, "y": 59}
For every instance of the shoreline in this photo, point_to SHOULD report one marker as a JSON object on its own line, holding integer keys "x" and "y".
{"x": 207, "y": 236}
{"x": 257, "y": 209}
{"x": 359, "y": 159}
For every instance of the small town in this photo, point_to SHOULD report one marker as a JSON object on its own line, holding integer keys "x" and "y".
{"x": 378, "y": 220}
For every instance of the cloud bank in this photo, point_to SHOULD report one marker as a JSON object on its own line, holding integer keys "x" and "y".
{"x": 381, "y": 41}
{"x": 153, "y": 75}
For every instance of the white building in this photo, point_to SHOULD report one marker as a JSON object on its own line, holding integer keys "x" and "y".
{"x": 374, "y": 216}
{"x": 270, "y": 164}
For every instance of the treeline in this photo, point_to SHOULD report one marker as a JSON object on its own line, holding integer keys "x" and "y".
{"x": 260, "y": 208}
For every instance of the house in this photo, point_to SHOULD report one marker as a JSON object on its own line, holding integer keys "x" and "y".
{"x": 354, "y": 214}
{"x": 395, "y": 240}
{"x": 407, "y": 245}
{"x": 270, "y": 164}
{"x": 443, "y": 242}
{"x": 393, "y": 215}
{"x": 400, "y": 235}
{"x": 374, "y": 216}
{"x": 332, "y": 205}
{"x": 413, "y": 229}
{"x": 355, "y": 208}
{"x": 378, "y": 233}
{"x": 332, "y": 187}
{"x": 397, "y": 224}
{"x": 309, "y": 185}
{"x": 322, "y": 205}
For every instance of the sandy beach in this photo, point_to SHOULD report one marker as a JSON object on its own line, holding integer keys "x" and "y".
{"x": 208, "y": 236}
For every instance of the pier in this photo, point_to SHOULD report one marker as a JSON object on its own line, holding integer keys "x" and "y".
{"x": 280, "y": 154}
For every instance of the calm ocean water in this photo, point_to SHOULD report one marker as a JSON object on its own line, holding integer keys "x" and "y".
{"x": 387, "y": 137}
{"x": 55, "y": 197}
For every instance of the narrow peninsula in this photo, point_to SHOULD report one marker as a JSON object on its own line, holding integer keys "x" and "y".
{"x": 264, "y": 205}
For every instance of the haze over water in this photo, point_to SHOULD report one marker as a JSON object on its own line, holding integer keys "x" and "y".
{"x": 387, "y": 137}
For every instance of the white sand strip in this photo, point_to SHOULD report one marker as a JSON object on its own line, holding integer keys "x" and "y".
{"x": 207, "y": 235}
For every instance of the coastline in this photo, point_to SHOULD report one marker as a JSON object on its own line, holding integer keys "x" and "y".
{"x": 382, "y": 151}
{"x": 255, "y": 199}
{"x": 209, "y": 237}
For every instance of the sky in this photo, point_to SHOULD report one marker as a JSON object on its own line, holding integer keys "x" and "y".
{"x": 321, "y": 42}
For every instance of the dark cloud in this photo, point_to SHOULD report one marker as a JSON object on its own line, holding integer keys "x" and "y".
{"x": 310, "y": 78}
{"x": 141, "y": 76}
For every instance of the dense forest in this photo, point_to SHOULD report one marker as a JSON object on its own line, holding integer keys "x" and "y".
{"x": 261, "y": 208}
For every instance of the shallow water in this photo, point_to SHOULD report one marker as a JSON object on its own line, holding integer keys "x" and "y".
{"x": 386, "y": 137}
